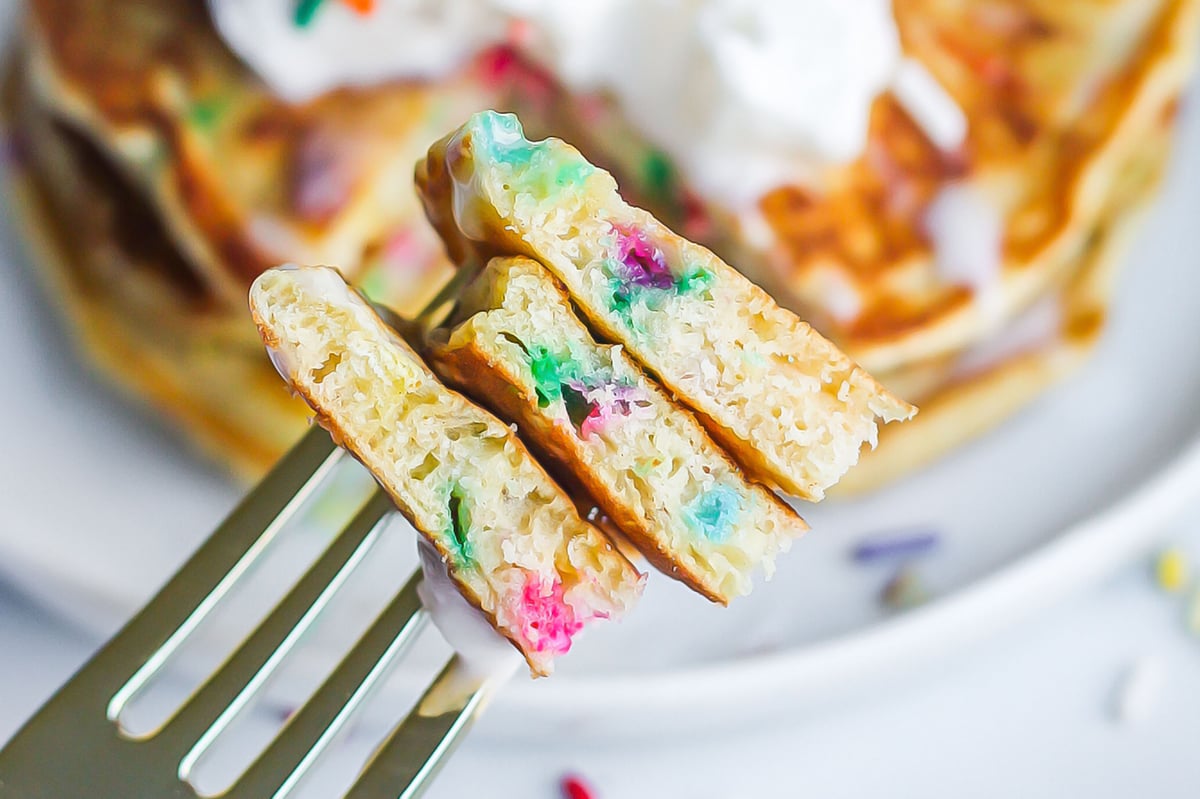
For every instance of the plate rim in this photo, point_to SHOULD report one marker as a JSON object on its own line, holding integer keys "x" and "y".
{"x": 817, "y": 673}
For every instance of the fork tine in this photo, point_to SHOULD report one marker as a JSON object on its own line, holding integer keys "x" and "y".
{"x": 316, "y": 724}
{"x": 416, "y": 749}
{"x": 148, "y": 641}
{"x": 210, "y": 709}
{"x": 116, "y": 767}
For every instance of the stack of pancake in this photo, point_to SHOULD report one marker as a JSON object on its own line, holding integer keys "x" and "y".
{"x": 159, "y": 176}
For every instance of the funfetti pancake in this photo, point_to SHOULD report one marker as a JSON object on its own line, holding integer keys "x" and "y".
{"x": 911, "y": 251}
{"x": 241, "y": 179}
{"x": 994, "y": 137}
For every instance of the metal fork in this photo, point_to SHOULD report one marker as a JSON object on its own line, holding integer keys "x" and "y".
{"x": 74, "y": 746}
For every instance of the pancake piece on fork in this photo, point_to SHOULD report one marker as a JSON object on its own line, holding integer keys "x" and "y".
{"x": 510, "y": 538}
{"x": 649, "y": 465}
{"x": 790, "y": 407}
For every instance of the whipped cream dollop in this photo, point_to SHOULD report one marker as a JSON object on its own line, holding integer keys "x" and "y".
{"x": 743, "y": 95}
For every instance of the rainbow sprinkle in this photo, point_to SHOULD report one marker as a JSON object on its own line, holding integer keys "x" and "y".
{"x": 306, "y": 10}
{"x": 592, "y": 398}
{"x": 894, "y": 547}
{"x": 574, "y": 787}
{"x": 714, "y": 512}
{"x": 205, "y": 114}
{"x": 659, "y": 176}
{"x": 460, "y": 524}
{"x": 638, "y": 270}
{"x": 1171, "y": 570}
{"x": 904, "y": 590}
{"x": 548, "y": 622}
{"x": 537, "y": 168}
{"x": 644, "y": 264}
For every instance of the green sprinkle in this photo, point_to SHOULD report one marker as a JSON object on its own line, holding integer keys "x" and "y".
{"x": 658, "y": 175}
{"x": 545, "y": 369}
{"x": 460, "y": 523}
{"x": 573, "y": 173}
{"x": 305, "y": 11}
{"x": 374, "y": 283}
{"x": 644, "y": 466}
{"x": 205, "y": 114}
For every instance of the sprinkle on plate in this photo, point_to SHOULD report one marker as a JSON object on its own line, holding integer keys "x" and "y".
{"x": 895, "y": 546}
{"x": 574, "y": 787}
{"x": 1171, "y": 570}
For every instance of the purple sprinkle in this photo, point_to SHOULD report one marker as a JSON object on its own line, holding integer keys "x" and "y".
{"x": 645, "y": 264}
{"x": 894, "y": 547}
{"x": 321, "y": 180}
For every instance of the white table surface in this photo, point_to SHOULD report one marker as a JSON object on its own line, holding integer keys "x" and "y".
{"x": 1028, "y": 713}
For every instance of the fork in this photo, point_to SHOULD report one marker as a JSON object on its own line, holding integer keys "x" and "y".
{"x": 74, "y": 745}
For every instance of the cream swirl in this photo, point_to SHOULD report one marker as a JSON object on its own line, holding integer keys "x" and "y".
{"x": 743, "y": 95}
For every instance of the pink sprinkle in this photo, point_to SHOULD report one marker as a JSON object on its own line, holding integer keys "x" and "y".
{"x": 497, "y": 63}
{"x": 549, "y": 622}
{"x": 697, "y": 224}
{"x": 503, "y": 67}
{"x": 595, "y": 421}
{"x": 574, "y": 787}
{"x": 401, "y": 246}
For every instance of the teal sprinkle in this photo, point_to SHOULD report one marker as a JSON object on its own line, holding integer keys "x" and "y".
{"x": 460, "y": 524}
{"x": 306, "y": 10}
{"x": 694, "y": 278}
{"x": 502, "y": 139}
{"x": 714, "y": 512}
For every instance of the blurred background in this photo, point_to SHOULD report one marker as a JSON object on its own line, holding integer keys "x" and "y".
{"x": 989, "y": 204}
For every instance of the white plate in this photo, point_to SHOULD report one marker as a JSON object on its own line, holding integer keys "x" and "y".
{"x": 100, "y": 504}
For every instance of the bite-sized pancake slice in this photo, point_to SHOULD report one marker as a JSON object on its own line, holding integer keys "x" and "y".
{"x": 792, "y": 408}
{"x": 648, "y": 463}
{"x": 511, "y": 540}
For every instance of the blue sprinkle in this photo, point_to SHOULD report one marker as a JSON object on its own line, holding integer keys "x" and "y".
{"x": 895, "y": 547}
{"x": 714, "y": 512}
